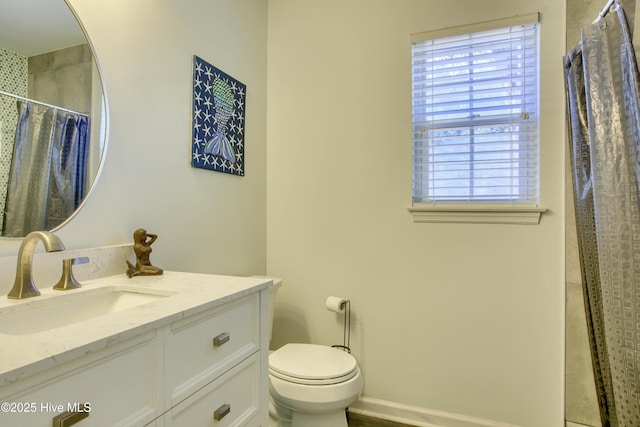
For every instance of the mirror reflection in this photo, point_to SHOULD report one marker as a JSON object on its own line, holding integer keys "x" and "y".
{"x": 51, "y": 116}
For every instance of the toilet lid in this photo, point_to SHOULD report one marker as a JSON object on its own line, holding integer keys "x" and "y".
{"x": 311, "y": 363}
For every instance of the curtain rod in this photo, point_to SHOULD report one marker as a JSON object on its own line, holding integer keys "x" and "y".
{"x": 605, "y": 10}
{"x": 41, "y": 103}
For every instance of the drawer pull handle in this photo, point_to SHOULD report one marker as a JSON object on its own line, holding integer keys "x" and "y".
{"x": 222, "y": 412}
{"x": 221, "y": 339}
{"x": 68, "y": 419}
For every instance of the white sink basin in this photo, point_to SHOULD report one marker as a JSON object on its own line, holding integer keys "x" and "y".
{"x": 44, "y": 313}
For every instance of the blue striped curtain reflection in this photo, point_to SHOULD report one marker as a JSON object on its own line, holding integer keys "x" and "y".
{"x": 47, "y": 179}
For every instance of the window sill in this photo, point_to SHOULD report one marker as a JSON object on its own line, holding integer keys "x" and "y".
{"x": 476, "y": 214}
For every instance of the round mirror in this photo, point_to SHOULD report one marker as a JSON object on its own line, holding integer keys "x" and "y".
{"x": 52, "y": 116}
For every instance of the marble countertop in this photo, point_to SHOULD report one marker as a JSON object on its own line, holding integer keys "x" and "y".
{"x": 23, "y": 355}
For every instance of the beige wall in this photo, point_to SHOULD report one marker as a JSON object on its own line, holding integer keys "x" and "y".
{"x": 206, "y": 221}
{"x": 467, "y": 319}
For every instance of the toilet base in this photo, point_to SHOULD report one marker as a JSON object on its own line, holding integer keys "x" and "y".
{"x": 279, "y": 416}
{"x": 333, "y": 419}
{"x": 301, "y": 419}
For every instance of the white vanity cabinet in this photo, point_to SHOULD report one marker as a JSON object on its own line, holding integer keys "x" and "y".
{"x": 114, "y": 387}
{"x": 230, "y": 400}
{"x": 205, "y": 366}
{"x": 215, "y": 355}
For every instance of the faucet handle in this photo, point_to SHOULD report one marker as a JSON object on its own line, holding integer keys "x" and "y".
{"x": 67, "y": 281}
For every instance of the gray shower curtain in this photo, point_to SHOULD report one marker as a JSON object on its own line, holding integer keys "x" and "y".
{"x": 602, "y": 88}
{"x": 48, "y": 169}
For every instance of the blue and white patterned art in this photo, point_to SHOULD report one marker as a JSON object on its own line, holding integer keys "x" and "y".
{"x": 218, "y": 119}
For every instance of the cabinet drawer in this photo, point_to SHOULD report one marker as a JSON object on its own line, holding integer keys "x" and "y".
{"x": 116, "y": 387}
{"x": 201, "y": 348}
{"x": 231, "y": 400}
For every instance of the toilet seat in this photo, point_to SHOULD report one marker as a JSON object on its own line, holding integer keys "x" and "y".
{"x": 311, "y": 364}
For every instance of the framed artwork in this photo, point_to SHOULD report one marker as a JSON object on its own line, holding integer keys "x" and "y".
{"x": 218, "y": 119}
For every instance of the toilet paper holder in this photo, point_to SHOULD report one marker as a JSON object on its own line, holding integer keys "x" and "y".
{"x": 345, "y": 307}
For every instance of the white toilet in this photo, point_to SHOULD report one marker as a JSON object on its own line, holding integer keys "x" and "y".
{"x": 310, "y": 385}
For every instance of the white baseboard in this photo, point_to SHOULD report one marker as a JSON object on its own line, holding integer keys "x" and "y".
{"x": 416, "y": 416}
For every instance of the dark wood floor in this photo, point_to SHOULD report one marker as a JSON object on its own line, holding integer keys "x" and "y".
{"x": 356, "y": 420}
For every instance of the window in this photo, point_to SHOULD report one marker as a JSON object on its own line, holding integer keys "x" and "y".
{"x": 475, "y": 114}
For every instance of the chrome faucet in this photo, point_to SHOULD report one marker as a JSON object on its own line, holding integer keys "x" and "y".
{"x": 23, "y": 286}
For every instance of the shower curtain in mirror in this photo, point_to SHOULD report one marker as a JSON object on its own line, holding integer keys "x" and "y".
{"x": 602, "y": 85}
{"x": 48, "y": 170}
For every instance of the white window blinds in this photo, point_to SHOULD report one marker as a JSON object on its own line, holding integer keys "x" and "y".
{"x": 475, "y": 117}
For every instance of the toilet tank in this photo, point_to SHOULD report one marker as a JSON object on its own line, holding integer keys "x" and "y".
{"x": 273, "y": 290}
